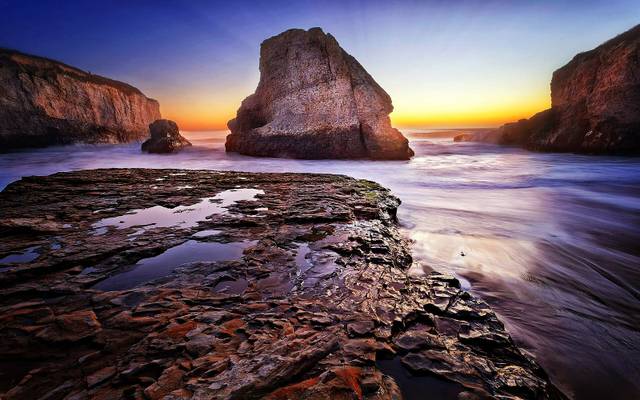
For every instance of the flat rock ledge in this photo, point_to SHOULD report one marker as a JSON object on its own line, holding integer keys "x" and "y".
{"x": 317, "y": 304}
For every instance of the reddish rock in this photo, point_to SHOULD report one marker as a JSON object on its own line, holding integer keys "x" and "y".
{"x": 177, "y": 336}
{"x": 170, "y": 380}
{"x": 72, "y": 327}
{"x": 44, "y": 102}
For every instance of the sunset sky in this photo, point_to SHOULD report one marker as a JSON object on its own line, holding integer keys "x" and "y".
{"x": 444, "y": 63}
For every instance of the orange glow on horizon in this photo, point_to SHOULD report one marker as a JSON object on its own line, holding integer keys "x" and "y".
{"x": 203, "y": 114}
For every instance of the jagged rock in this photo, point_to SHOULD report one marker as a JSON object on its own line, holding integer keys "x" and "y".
{"x": 44, "y": 102}
{"x": 165, "y": 138}
{"x": 288, "y": 331}
{"x": 595, "y": 105}
{"x": 314, "y": 101}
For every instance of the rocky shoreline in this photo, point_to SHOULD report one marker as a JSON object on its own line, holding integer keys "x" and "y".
{"x": 135, "y": 283}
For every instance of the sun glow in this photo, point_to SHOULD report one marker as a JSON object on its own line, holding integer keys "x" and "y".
{"x": 199, "y": 114}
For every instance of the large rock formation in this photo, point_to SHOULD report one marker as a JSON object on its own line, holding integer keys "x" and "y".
{"x": 595, "y": 104}
{"x": 244, "y": 286}
{"x": 314, "y": 101}
{"x": 165, "y": 138}
{"x": 44, "y": 102}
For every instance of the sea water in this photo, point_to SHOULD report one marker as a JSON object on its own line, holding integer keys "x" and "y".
{"x": 550, "y": 241}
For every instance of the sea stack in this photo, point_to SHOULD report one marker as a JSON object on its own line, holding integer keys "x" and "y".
{"x": 595, "y": 104}
{"x": 165, "y": 138}
{"x": 44, "y": 102}
{"x": 314, "y": 101}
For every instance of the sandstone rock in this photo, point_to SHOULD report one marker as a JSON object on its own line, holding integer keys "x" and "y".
{"x": 595, "y": 104}
{"x": 72, "y": 327}
{"x": 44, "y": 102}
{"x": 165, "y": 138}
{"x": 169, "y": 381}
{"x": 314, "y": 101}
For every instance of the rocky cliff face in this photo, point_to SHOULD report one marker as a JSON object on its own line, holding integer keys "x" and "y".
{"x": 314, "y": 101}
{"x": 44, "y": 102}
{"x": 595, "y": 104}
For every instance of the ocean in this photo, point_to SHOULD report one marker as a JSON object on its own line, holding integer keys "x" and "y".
{"x": 550, "y": 241}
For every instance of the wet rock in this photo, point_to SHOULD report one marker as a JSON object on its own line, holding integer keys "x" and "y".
{"x": 165, "y": 138}
{"x": 100, "y": 376}
{"x": 314, "y": 329}
{"x": 314, "y": 101}
{"x": 169, "y": 381}
{"x": 415, "y": 340}
{"x": 360, "y": 328}
{"x": 71, "y": 327}
{"x": 44, "y": 102}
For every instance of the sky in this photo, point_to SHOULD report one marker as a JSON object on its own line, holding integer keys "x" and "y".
{"x": 444, "y": 63}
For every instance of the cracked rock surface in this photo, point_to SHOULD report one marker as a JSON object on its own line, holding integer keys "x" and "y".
{"x": 311, "y": 300}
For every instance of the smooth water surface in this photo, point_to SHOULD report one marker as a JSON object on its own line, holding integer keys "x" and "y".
{"x": 163, "y": 264}
{"x": 551, "y": 241}
{"x": 180, "y": 216}
{"x": 27, "y": 255}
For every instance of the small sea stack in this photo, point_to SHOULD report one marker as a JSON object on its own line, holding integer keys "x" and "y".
{"x": 315, "y": 101}
{"x": 165, "y": 138}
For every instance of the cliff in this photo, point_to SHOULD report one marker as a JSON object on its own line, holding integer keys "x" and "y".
{"x": 595, "y": 104}
{"x": 314, "y": 101}
{"x": 44, "y": 102}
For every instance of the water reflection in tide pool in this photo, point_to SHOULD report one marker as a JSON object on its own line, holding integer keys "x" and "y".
{"x": 549, "y": 240}
{"x": 163, "y": 264}
{"x": 27, "y": 255}
{"x": 416, "y": 387}
{"x": 180, "y": 216}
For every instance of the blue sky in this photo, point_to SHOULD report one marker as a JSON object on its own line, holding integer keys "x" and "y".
{"x": 443, "y": 62}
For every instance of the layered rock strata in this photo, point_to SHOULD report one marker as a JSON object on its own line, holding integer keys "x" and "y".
{"x": 317, "y": 304}
{"x": 314, "y": 101}
{"x": 165, "y": 138}
{"x": 595, "y": 105}
{"x": 44, "y": 102}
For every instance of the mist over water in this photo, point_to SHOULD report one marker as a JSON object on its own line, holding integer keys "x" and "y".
{"x": 551, "y": 241}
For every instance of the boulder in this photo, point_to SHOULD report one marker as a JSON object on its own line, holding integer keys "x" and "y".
{"x": 44, "y": 102}
{"x": 314, "y": 101}
{"x": 165, "y": 138}
{"x": 595, "y": 104}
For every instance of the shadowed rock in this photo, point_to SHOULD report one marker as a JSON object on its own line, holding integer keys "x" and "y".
{"x": 595, "y": 104}
{"x": 165, "y": 138}
{"x": 44, "y": 102}
{"x": 314, "y": 101}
